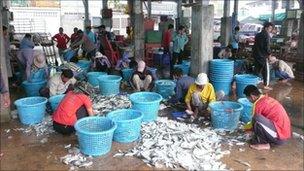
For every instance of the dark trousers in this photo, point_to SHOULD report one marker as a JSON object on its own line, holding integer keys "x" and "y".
{"x": 69, "y": 129}
{"x": 263, "y": 135}
{"x": 261, "y": 68}
{"x": 176, "y": 59}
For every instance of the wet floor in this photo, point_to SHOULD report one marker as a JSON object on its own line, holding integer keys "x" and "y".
{"x": 26, "y": 152}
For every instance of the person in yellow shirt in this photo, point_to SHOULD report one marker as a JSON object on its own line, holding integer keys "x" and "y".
{"x": 199, "y": 95}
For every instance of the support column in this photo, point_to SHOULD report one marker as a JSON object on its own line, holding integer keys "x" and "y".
{"x": 235, "y": 14}
{"x": 273, "y": 4}
{"x": 202, "y": 28}
{"x": 149, "y": 8}
{"x": 105, "y": 4}
{"x": 179, "y": 13}
{"x": 226, "y": 27}
{"x": 138, "y": 29}
{"x": 299, "y": 73}
{"x": 5, "y": 112}
{"x": 87, "y": 21}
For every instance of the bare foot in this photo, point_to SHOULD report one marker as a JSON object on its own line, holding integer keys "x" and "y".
{"x": 260, "y": 146}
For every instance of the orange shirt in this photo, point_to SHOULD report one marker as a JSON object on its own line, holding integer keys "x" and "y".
{"x": 65, "y": 113}
{"x": 274, "y": 111}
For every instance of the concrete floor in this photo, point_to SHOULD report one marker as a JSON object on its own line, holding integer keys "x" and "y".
{"x": 26, "y": 152}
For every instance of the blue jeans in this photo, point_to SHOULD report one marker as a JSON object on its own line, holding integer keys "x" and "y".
{"x": 281, "y": 75}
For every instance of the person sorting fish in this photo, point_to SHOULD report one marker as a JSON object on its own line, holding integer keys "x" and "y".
{"x": 60, "y": 83}
{"x": 199, "y": 95}
{"x": 270, "y": 121}
{"x": 142, "y": 78}
{"x": 282, "y": 70}
{"x": 75, "y": 105}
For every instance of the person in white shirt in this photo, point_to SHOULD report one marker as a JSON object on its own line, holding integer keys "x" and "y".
{"x": 60, "y": 83}
{"x": 282, "y": 70}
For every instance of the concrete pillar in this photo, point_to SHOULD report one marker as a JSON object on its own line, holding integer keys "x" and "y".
{"x": 179, "y": 13}
{"x": 273, "y": 4}
{"x": 87, "y": 21}
{"x": 104, "y": 4}
{"x": 138, "y": 29}
{"x": 5, "y": 112}
{"x": 226, "y": 8}
{"x": 226, "y": 30}
{"x": 149, "y": 8}
{"x": 235, "y": 13}
{"x": 202, "y": 28}
{"x": 301, "y": 39}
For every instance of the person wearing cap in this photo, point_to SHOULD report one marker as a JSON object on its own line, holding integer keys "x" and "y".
{"x": 282, "y": 70}
{"x": 183, "y": 83}
{"x": 39, "y": 63}
{"x": 60, "y": 83}
{"x": 199, "y": 95}
{"x": 270, "y": 121}
{"x": 62, "y": 40}
{"x": 88, "y": 46}
{"x": 90, "y": 34}
{"x": 142, "y": 78}
{"x": 101, "y": 63}
{"x": 74, "y": 106}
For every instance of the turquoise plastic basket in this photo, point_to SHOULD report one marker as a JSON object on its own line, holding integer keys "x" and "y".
{"x": 93, "y": 77}
{"x": 32, "y": 88}
{"x": 95, "y": 135}
{"x": 246, "y": 114}
{"x": 165, "y": 88}
{"x": 84, "y": 64}
{"x": 244, "y": 80}
{"x": 109, "y": 84}
{"x": 222, "y": 119}
{"x": 128, "y": 124}
{"x": 31, "y": 110}
{"x": 147, "y": 103}
{"x": 127, "y": 73}
{"x": 184, "y": 67}
{"x": 55, "y": 100}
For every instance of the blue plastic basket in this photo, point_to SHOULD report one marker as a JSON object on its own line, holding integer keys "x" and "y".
{"x": 176, "y": 115}
{"x": 109, "y": 84}
{"x": 93, "y": 77}
{"x": 128, "y": 124}
{"x": 153, "y": 71}
{"x": 165, "y": 88}
{"x": 127, "y": 73}
{"x": 246, "y": 114}
{"x": 243, "y": 80}
{"x": 185, "y": 68}
{"x": 55, "y": 100}
{"x": 222, "y": 119}
{"x": 38, "y": 76}
{"x": 147, "y": 103}
{"x": 32, "y": 88}
{"x": 84, "y": 64}
{"x": 222, "y": 86}
{"x": 31, "y": 110}
{"x": 95, "y": 135}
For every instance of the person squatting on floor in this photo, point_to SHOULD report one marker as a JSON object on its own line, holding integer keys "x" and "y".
{"x": 282, "y": 70}
{"x": 59, "y": 83}
{"x": 261, "y": 52}
{"x": 142, "y": 78}
{"x": 271, "y": 123}
{"x": 74, "y": 106}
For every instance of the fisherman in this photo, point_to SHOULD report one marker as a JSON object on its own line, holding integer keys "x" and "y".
{"x": 225, "y": 53}
{"x": 199, "y": 95}
{"x": 75, "y": 105}
{"x": 60, "y": 83}
{"x": 142, "y": 78}
{"x": 271, "y": 124}
{"x": 183, "y": 83}
{"x": 26, "y": 55}
{"x": 39, "y": 69}
{"x": 87, "y": 45}
{"x": 282, "y": 70}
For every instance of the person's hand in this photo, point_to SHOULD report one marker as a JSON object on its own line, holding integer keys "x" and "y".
{"x": 6, "y": 100}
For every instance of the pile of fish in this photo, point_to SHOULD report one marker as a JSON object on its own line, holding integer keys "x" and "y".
{"x": 41, "y": 129}
{"x": 75, "y": 158}
{"x": 172, "y": 144}
{"x": 105, "y": 104}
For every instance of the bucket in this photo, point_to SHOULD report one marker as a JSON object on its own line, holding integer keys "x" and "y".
{"x": 246, "y": 114}
{"x": 147, "y": 103}
{"x": 225, "y": 114}
{"x": 243, "y": 80}
{"x": 38, "y": 76}
{"x": 31, "y": 110}
{"x": 93, "y": 77}
{"x": 185, "y": 68}
{"x": 153, "y": 71}
{"x": 128, "y": 124}
{"x": 109, "y": 84}
{"x": 95, "y": 135}
{"x": 55, "y": 100}
{"x": 127, "y": 73}
{"x": 32, "y": 88}
{"x": 84, "y": 64}
{"x": 222, "y": 86}
{"x": 165, "y": 88}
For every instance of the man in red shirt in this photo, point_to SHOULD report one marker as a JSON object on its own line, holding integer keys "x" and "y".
{"x": 62, "y": 40}
{"x": 167, "y": 38}
{"x": 75, "y": 105}
{"x": 271, "y": 123}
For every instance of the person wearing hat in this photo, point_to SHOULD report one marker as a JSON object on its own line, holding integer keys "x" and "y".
{"x": 282, "y": 70}
{"x": 75, "y": 105}
{"x": 60, "y": 83}
{"x": 199, "y": 95}
{"x": 270, "y": 122}
{"x": 142, "y": 78}
{"x": 88, "y": 46}
{"x": 39, "y": 64}
{"x": 101, "y": 63}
